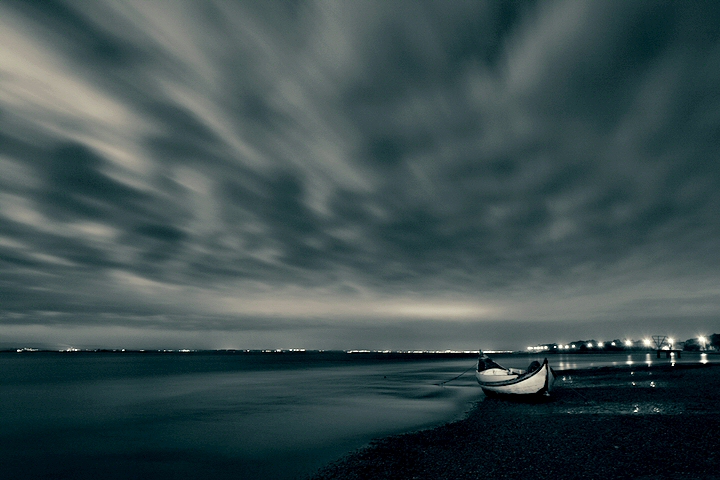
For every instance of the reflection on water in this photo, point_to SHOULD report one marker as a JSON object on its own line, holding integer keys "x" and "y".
{"x": 648, "y": 359}
{"x": 590, "y": 360}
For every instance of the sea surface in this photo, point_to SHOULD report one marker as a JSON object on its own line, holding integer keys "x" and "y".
{"x": 222, "y": 415}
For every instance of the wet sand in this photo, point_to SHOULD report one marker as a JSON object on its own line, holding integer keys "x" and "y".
{"x": 608, "y": 423}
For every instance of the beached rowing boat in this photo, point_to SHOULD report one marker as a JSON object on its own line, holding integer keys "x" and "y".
{"x": 495, "y": 379}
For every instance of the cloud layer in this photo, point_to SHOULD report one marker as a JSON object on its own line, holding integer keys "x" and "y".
{"x": 335, "y": 167}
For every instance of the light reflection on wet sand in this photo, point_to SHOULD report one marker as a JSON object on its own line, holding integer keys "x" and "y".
{"x": 628, "y": 392}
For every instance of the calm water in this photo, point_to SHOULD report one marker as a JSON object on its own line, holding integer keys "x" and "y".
{"x": 210, "y": 415}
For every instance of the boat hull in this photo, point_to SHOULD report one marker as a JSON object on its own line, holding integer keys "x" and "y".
{"x": 539, "y": 382}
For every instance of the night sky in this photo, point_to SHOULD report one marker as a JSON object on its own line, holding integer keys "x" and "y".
{"x": 350, "y": 174}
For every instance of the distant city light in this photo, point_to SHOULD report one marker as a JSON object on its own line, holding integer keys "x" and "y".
{"x": 539, "y": 348}
{"x": 667, "y": 344}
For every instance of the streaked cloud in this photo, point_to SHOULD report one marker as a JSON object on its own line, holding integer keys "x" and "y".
{"x": 365, "y": 166}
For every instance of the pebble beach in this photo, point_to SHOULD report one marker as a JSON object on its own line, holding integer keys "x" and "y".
{"x": 660, "y": 422}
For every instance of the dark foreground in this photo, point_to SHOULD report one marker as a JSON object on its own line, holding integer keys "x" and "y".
{"x": 629, "y": 423}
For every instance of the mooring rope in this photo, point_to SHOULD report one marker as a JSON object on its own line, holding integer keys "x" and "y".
{"x": 455, "y": 378}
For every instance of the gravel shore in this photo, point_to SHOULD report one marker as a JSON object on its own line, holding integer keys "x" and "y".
{"x": 608, "y": 423}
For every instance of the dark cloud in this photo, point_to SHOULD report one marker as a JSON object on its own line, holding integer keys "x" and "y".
{"x": 362, "y": 170}
{"x": 76, "y": 187}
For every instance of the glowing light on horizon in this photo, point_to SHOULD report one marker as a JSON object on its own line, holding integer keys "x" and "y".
{"x": 432, "y": 310}
{"x": 297, "y": 303}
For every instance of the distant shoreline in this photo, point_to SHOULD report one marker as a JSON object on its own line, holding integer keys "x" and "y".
{"x": 382, "y": 353}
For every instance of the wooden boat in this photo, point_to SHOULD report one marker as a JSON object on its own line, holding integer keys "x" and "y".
{"x": 497, "y": 380}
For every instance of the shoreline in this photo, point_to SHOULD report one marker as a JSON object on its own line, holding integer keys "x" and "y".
{"x": 620, "y": 422}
